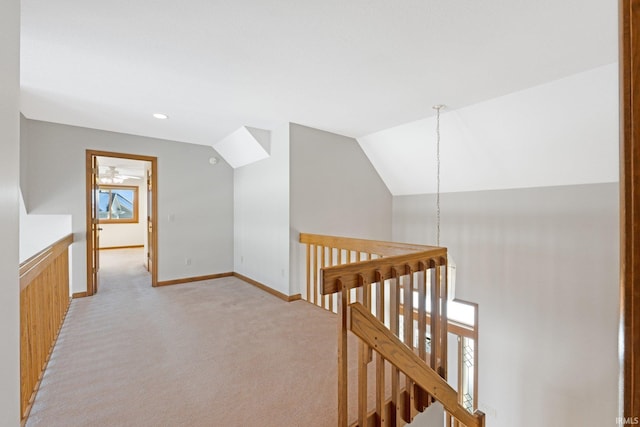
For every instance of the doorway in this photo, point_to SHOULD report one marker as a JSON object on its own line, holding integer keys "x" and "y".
{"x": 94, "y": 211}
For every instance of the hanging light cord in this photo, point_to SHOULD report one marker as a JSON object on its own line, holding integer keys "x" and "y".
{"x": 438, "y": 108}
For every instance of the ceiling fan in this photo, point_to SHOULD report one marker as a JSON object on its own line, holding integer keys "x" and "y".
{"x": 112, "y": 176}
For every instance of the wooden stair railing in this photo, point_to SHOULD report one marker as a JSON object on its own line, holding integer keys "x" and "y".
{"x": 44, "y": 301}
{"x": 327, "y": 251}
{"x": 405, "y": 287}
{"x": 378, "y": 338}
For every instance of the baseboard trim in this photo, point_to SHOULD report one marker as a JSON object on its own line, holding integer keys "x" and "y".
{"x": 193, "y": 279}
{"x": 121, "y": 247}
{"x": 287, "y": 298}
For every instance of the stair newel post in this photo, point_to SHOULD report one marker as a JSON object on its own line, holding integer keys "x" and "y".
{"x": 342, "y": 356}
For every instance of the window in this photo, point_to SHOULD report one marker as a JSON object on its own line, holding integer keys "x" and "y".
{"x": 117, "y": 204}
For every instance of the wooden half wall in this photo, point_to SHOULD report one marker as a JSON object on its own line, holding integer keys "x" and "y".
{"x": 44, "y": 301}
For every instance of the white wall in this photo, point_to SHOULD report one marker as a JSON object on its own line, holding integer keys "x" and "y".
{"x": 40, "y": 231}
{"x": 543, "y": 265}
{"x": 564, "y": 128}
{"x": 334, "y": 190}
{"x": 36, "y": 231}
{"x": 9, "y": 213}
{"x": 196, "y": 196}
{"x": 432, "y": 417}
{"x": 128, "y": 234}
{"x": 261, "y": 216}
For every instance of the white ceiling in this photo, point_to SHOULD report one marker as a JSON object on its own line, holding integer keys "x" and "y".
{"x": 352, "y": 67}
{"x": 127, "y": 167}
{"x": 563, "y": 132}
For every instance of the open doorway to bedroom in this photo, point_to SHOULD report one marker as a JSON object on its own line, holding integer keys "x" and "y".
{"x": 121, "y": 211}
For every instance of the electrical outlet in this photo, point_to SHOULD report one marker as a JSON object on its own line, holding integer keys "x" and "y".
{"x": 187, "y": 261}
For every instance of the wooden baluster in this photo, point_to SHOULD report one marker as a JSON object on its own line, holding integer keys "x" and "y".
{"x": 436, "y": 315}
{"x": 323, "y": 298}
{"x": 422, "y": 400}
{"x": 308, "y": 272}
{"x": 318, "y": 294}
{"x": 460, "y": 373}
{"x": 330, "y": 263}
{"x": 444, "y": 320}
{"x": 343, "y": 380}
{"x": 436, "y": 339}
{"x": 433, "y": 318}
{"x": 381, "y": 400}
{"x": 364, "y": 357}
{"x": 315, "y": 275}
{"x": 394, "y": 320}
{"x": 359, "y": 256}
{"x": 407, "y": 306}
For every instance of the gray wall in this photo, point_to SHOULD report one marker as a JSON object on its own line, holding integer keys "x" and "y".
{"x": 198, "y": 196}
{"x": 261, "y": 216}
{"x": 334, "y": 190}
{"x": 543, "y": 265}
{"x": 9, "y": 211}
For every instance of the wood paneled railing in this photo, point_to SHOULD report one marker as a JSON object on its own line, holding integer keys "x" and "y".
{"x": 44, "y": 301}
{"x": 405, "y": 288}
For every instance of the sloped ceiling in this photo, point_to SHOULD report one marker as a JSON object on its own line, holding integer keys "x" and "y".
{"x": 244, "y": 146}
{"x": 351, "y": 67}
{"x": 563, "y": 132}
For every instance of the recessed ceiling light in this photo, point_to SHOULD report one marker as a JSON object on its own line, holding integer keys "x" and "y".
{"x": 160, "y": 116}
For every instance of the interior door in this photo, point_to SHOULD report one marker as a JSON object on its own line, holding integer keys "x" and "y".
{"x": 92, "y": 287}
{"x": 150, "y": 213}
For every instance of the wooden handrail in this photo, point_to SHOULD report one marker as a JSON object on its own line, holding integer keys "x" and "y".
{"x": 363, "y": 245}
{"x": 34, "y": 265}
{"x": 381, "y": 340}
{"x": 349, "y": 276}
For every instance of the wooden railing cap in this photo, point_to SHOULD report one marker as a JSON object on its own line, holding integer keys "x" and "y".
{"x": 31, "y": 267}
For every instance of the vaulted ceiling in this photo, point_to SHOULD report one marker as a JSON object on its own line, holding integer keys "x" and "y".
{"x": 563, "y": 132}
{"x": 352, "y": 67}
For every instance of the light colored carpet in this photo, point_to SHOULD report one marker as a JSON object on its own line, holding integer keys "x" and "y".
{"x": 212, "y": 353}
